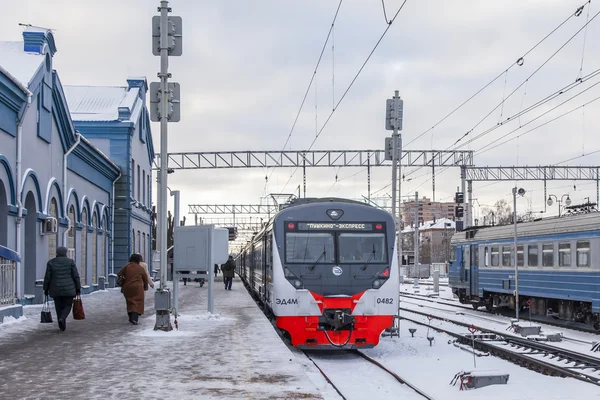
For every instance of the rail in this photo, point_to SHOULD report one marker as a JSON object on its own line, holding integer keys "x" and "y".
{"x": 571, "y": 360}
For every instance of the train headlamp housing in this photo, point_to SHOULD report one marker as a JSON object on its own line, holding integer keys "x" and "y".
{"x": 293, "y": 279}
{"x": 381, "y": 278}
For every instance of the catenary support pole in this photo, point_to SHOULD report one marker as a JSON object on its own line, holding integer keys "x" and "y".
{"x": 515, "y": 253}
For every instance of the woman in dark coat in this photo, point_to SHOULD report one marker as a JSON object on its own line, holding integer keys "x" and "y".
{"x": 134, "y": 285}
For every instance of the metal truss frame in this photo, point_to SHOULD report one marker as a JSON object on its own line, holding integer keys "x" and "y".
{"x": 313, "y": 158}
{"x": 536, "y": 173}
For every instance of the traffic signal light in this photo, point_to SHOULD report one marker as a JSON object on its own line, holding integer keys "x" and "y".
{"x": 459, "y": 211}
{"x": 459, "y": 198}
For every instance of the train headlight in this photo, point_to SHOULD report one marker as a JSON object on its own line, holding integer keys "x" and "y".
{"x": 298, "y": 284}
{"x": 376, "y": 284}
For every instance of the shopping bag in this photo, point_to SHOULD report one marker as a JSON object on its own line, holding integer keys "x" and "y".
{"x": 78, "y": 312}
{"x": 46, "y": 315}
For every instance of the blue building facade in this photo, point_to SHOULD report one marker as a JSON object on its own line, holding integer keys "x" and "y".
{"x": 115, "y": 120}
{"x": 58, "y": 183}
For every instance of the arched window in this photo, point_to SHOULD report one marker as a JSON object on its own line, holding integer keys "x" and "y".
{"x": 139, "y": 243}
{"x": 144, "y": 249}
{"x": 52, "y": 237}
{"x": 72, "y": 222}
{"x": 94, "y": 248}
{"x": 84, "y": 233}
{"x": 132, "y": 241}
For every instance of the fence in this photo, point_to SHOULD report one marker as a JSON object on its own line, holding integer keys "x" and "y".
{"x": 8, "y": 266}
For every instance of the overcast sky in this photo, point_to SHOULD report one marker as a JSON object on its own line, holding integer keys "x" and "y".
{"x": 247, "y": 64}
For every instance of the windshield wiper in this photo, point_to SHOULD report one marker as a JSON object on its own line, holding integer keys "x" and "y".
{"x": 323, "y": 254}
{"x": 369, "y": 259}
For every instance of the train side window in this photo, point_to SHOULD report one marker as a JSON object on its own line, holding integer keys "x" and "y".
{"x": 583, "y": 253}
{"x": 495, "y": 256}
{"x": 520, "y": 256}
{"x": 486, "y": 256}
{"x": 506, "y": 256}
{"x": 532, "y": 255}
{"x": 548, "y": 255}
{"x": 452, "y": 253}
{"x": 564, "y": 254}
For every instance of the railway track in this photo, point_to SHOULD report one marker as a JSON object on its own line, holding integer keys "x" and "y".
{"x": 576, "y": 326}
{"x": 343, "y": 390}
{"x": 540, "y": 357}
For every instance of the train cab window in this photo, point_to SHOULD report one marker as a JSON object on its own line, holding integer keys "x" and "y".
{"x": 520, "y": 256}
{"x": 309, "y": 247}
{"x": 548, "y": 255}
{"x": 564, "y": 254}
{"x": 583, "y": 253}
{"x": 495, "y": 256}
{"x": 362, "y": 247}
{"x": 506, "y": 256}
{"x": 532, "y": 255}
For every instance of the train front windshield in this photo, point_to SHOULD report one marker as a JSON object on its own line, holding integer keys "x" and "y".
{"x": 328, "y": 243}
{"x": 362, "y": 247}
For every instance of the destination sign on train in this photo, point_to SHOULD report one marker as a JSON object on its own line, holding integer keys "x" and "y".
{"x": 314, "y": 226}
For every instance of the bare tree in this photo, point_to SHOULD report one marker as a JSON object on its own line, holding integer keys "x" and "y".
{"x": 500, "y": 214}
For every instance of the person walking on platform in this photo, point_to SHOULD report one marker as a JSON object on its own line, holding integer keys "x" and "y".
{"x": 135, "y": 283}
{"x": 62, "y": 283}
{"x": 216, "y": 270}
{"x": 228, "y": 272}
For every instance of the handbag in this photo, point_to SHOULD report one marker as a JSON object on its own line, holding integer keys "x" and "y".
{"x": 78, "y": 312}
{"x": 121, "y": 279}
{"x": 46, "y": 315}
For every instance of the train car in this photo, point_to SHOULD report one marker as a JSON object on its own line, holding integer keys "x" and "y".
{"x": 558, "y": 267}
{"x": 327, "y": 270}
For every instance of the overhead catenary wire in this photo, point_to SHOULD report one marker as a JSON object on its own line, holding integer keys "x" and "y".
{"x": 312, "y": 78}
{"x": 349, "y": 87}
{"x": 518, "y": 62}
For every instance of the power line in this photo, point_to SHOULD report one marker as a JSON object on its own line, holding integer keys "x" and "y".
{"x": 487, "y": 148}
{"x": 312, "y": 78}
{"x": 519, "y": 62}
{"x": 349, "y": 86}
{"x": 522, "y": 83}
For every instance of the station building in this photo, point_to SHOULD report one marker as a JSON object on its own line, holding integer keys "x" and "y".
{"x": 70, "y": 177}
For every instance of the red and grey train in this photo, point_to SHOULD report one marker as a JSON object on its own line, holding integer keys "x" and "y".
{"x": 327, "y": 270}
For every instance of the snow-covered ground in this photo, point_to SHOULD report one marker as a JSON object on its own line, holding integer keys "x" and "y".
{"x": 235, "y": 354}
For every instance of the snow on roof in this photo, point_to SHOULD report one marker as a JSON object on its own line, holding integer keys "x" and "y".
{"x": 95, "y": 103}
{"x": 429, "y": 225}
{"x": 23, "y": 66}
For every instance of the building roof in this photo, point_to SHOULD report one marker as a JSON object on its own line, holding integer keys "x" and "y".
{"x": 21, "y": 65}
{"x": 97, "y": 103}
{"x": 430, "y": 225}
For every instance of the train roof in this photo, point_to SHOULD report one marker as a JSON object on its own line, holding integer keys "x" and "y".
{"x": 542, "y": 227}
{"x": 312, "y": 200}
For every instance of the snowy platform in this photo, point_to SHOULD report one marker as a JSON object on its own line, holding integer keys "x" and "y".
{"x": 234, "y": 353}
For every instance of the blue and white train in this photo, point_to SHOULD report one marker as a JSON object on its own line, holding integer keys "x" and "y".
{"x": 558, "y": 267}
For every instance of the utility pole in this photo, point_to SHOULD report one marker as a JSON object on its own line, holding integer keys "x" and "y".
{"x": 165, "y": 107}
{"x": 521, "y": 192}
{"x": 393, "y": 122}
{"x": 416, "y": 241}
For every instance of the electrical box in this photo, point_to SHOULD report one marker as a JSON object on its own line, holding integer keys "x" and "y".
{"x": 199, "y": 247}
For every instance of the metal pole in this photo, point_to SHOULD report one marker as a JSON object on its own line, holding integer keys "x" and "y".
{"x": 469, "y": 208}
{"x": 433, "y": 179}
{"x": 515, "y": 253}
{"x": 163, "y": 318}
{"x": 176, "y": 194}
{"x": 369, "y": 178}
{"x": 399, "y": 237}
{"x": 463, "y": 177}
{"x": 304, "y": 173}
{"x": 417, "y": 235}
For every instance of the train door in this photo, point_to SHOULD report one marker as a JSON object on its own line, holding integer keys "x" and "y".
{"x": 252, "y": 262}
{"x": 474, "y": 270}
{"x": 466, "y": 263}
{"x": 264, "y": 254}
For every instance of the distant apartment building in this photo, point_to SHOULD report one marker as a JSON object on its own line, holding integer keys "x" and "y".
{"x": 426, "y": 210}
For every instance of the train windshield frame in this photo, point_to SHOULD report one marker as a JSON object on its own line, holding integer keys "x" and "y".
{"x": 335, "y": 242}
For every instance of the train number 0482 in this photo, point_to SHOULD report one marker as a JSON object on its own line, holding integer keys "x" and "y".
{"x": 385, "y": 300}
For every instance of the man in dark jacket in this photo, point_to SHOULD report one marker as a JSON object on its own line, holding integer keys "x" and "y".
{"x": 62, "y": 283}
{"x": 228, "y": 272}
